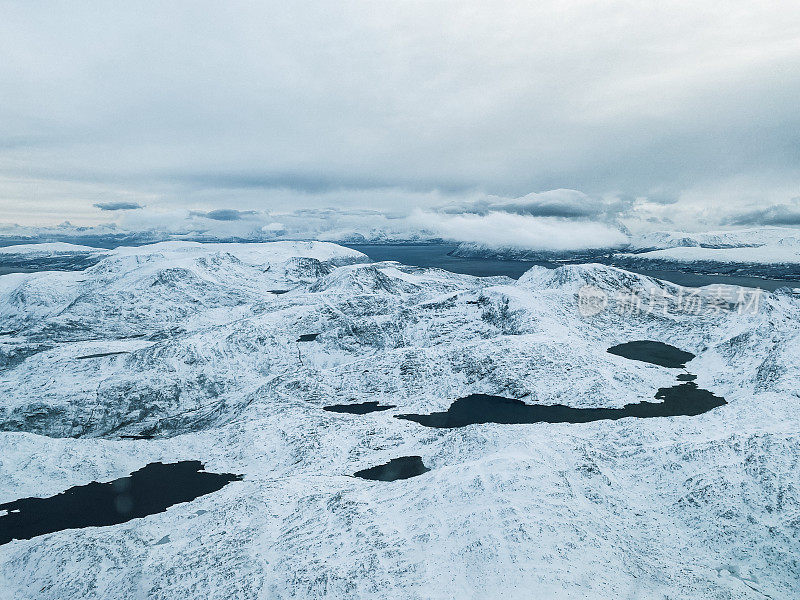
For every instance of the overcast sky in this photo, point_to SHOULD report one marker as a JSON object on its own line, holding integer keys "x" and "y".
{"x": 656, "y": 115}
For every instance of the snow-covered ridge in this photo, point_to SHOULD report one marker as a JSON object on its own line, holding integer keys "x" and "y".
{"x": 252, "y": 253}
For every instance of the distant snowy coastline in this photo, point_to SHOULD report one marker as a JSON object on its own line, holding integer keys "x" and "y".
{"x": 766, "y": 252}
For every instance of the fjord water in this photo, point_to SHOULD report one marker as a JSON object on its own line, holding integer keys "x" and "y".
{"x": 437, "y": 256}
{"x": 152, "y": 489}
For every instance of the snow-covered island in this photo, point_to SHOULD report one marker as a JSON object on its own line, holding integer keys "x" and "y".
{"x": 775, "y": 262}
{"x": 228, "y": 354}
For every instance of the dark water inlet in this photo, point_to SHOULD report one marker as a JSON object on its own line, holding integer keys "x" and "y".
{"x": 397, "y": 468}
{"x": 685, "y": 399}
{"x": 101, "y": 355}
{"x": 657, "y": 353}
{"x": 151, "y": 489}
{"x": 361, "y": 408}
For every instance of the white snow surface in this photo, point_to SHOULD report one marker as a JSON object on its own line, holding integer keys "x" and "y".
{"x": 661, "y": 508}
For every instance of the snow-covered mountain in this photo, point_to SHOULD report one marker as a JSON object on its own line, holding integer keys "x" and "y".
{"x": 733, "y": 238}
{"x": 197, "y": 346}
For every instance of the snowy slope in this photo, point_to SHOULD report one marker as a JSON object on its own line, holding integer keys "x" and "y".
{"x": 680, "y": 507}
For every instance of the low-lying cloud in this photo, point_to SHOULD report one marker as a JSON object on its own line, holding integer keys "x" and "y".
{"x": 511, "y": 230}
{"x": 118, "y": 205}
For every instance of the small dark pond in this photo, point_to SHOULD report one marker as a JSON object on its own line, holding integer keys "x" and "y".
{"x": 278, "y": 292}
{"x": 357, "y": 409}
{"x": 397, "y": 468}
{"x": 685, "y": 399}
{"x": 307, "y": 337}
{"x": 686, "y": 377}
{"x": 101, "y": 355}
{"x": 656, "y": 353}
{"x": 151, "y": 489}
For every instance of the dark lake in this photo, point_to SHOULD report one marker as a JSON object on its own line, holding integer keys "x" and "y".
{"x": 307, "y": 337}
{"x": 685, "y": 399}
{"x": 151, "y": 489}
{"x": 656, "y": 353}
{"x": 361, "y": 408}
{"x": 397, "y": 468}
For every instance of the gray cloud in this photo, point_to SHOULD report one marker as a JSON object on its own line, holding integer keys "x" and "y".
{"x": 412, "y": 106}
{"x": 223, "y": 214}
{"x": 781, "y": 214}
{"x": 568, "y": 204}
{"x": 118, "y": 205}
